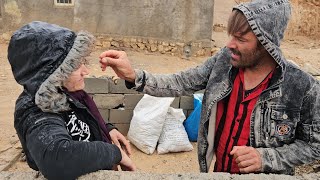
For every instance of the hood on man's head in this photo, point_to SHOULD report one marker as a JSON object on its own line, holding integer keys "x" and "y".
{"x": 42, "y": 56}
{"x": 268, "y": 20}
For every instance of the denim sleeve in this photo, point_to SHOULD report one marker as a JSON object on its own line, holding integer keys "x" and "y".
{"x": 181, "y": 83}
{"x": 59, "y": 157}
{"x": 306, "y": 147}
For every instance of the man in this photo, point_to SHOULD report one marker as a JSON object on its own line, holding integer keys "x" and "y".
{"x": 260, "y": 112}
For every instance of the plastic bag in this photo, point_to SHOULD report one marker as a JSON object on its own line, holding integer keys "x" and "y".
{"x": 147, "y": 122}
{"x": 174, "y": 137}
{"x": 192, "y": 123}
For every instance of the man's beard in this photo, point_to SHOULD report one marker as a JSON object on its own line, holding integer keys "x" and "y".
{"x": 248, "y": 59}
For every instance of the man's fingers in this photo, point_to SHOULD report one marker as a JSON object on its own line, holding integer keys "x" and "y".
{"x": 240, "y": 150}
{"x": 248, "y": 159}
{"x": 243, "y": 157}
{"x": 248, "y": 169}
{"x": 112, "y": 54}
{"x": 251, "y": 168}
{"x": 109, "y": 61}
{"x": 109, "y": 53}
{"x": 246, "y": 163}
{"x": 234, "y": 149}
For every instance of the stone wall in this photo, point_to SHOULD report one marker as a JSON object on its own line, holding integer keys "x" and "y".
{"x": 153, "y": 45}
{"x": 116, "y": 103}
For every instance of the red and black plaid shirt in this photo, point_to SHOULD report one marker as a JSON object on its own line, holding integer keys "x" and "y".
{"x": 233, "y": 122}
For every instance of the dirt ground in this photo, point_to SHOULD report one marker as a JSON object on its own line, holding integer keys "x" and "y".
{"x": 301, "y": 50}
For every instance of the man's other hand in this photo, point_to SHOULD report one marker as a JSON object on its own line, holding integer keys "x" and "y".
{"x": 247, "y": 158}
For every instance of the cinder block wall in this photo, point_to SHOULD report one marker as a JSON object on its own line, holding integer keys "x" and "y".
{"x": 116, "y": 103}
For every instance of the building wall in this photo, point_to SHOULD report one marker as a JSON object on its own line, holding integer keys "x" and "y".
{"x": 181, "y": 20}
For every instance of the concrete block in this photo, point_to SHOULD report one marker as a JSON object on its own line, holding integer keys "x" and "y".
{"x": 120, "y": 87}
{"x": 187, "y": 112}
{"x": 120, "y": 116}
{"x": 96, "y": 85}
{"x": 108, "y": 101}
{"x": 186, "y": 102}
{"x": 199, "y": 92}
{"x": 105, "y": 114}
{"x": 131, "y": 100}
{"x": 175, "y": 103}
{"x": 123, "y": 128}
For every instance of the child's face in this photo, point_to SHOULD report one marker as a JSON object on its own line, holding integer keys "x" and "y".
{"x": 75, "y": 82}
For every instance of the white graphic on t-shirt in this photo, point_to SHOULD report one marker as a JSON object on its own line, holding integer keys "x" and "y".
{"x": 77, "y": 128}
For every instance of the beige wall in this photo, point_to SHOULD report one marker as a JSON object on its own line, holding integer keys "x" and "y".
{"x": 179, "y": 20}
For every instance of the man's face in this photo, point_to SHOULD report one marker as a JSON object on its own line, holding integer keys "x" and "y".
{"x": 245, "y": 52}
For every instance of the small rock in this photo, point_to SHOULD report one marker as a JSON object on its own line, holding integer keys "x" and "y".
{"x": 98, "y": 43}
{"x": 141, "y": 46}
{"x": 165, "y": 43}
{"x": 126, "y": 44}
{"x": 108, "y": 39}
{"x": 106, "y": 44}
{"x": 201, "y": 52}
{"x": 180, "y": 44}
{"x": 160, "y": 48}
{"x": 175, "y": 49}
{"x": 167, "y": 49}
{"x": 152, "y": 41}
{"x": 115, "y": 44}
{"x": 214, "y": 50}
{"x": 133, "y": 40}
{"x": 172, "y": 44}
{"x": 6, "y": 36}
{"x": 134, "y": 46}
{"x": 153, "y": 47}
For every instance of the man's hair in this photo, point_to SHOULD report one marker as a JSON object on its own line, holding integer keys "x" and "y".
{"x": 238, "y": 23}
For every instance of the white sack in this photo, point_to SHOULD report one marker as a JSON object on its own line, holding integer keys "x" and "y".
{"x": 174, "y": 137}
{"x": 147, "y": 122}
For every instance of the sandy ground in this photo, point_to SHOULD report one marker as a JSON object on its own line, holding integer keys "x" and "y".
{"x": 301, "y": 50}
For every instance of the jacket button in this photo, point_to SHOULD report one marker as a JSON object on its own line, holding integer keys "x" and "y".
{"x": 285, "y": 116}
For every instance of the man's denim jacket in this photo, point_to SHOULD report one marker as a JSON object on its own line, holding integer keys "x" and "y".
{"x": 284, "y": 124}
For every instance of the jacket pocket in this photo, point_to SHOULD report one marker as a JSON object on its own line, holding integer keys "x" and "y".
{"x": 315, "y": 134}
{"x": 283, "y": 123}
